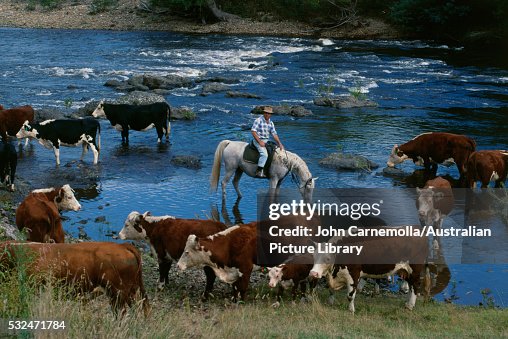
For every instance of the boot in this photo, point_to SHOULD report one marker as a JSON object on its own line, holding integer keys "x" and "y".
{"x": 260, "y": 173}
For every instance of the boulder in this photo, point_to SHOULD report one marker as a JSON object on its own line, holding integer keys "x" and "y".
{"x": 344, "y": 102}
{"x": 47, "y": 113}
{"x": 295, "y": 111}
{"x": 140, "y": 98}
{"x": 224, "y": 80}
{"x": 237, "y": 94}
{"x": 147, "y": 82}
{"x": 214, "y": 87}
{"x": 351, "y": 162}
{"x": 182, "y": 113}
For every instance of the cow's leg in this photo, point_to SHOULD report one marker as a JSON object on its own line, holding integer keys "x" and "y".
{"x": 240, "y": 286}
{"x": 210, "y": 279}
{"x": 236, "y": 181}
{"x": 160, "y": 133}
{"x": 414, "y": 285}
{"x": 13, "y": 161}
{"x": 57, "y": 154}
{"x": 164, "y": 267}
{"x": 85, "y": 150}
{"x": 351, "y": 289}
{"x": 95, "y": 154}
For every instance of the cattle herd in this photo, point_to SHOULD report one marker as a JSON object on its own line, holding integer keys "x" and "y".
{"x": 228, "y": 253}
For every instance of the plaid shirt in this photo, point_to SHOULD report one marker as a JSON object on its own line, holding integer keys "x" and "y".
{"x": 263, "y": 128}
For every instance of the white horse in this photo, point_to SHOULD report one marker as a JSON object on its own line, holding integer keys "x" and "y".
{"x": 283, "y": 163}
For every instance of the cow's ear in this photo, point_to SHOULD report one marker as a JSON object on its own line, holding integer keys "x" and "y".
{"x": 196, "y": 243}
{"x": 60, "y": 195}
{"x": 146, "y": 214}
{"x": 418, "y": 190}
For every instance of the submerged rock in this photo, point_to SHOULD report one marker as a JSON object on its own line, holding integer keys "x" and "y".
{"x": 238, "y": 94}
{"x": 188, "y": 161}
{"x": 341, "y": 161}
{"x": 147, "y": 82}
{"x": 214, "y": 87}
{"x": 182, "y": 113}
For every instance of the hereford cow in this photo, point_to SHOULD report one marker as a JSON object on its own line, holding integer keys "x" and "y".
{"x": 40, "y": 215}
{"x": 434, "y": 202}
{"x": 8, "y": 163}
{"x": 430, "y": 149}
{"x": 167, "y": 236}
{"x": 66, "y": 132}
{"x": 291, "y": 274}
{"x": 381, "y": 257}
{"x": 487, "y": 166}
{"x": 89, "y": 266}
{"x": 11, "y": 120}
{"x": 137, "y": 117}
{"x": 230, "y": 253}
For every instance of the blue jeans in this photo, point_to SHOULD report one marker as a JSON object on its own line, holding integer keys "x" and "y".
{"x": 263, "y": 153}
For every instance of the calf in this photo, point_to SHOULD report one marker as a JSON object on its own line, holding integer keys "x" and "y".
{"x": 487, "y": 166}
{"x": 39, "y": 213}
{"x": 167, "y": 236}
{"x": 11, "y": 120}
{"x": 89, "y": 266}
{"x": 66, "y": 132}
{"x": 8, "y": 163}
{"x": 430, "y": 149}
{"x": 292, "y": 273}
{"x": 406, "y": 254}
{"x": 137, "y": 117}
{"x": 230, "y": 253}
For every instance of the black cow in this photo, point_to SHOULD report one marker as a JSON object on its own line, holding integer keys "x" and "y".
{"x": 8, "y": 163}
{"x": 65, "y": 132}
{"x": 137, "y": 117}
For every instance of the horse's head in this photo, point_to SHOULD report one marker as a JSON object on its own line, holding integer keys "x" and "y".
{"x": 306, "y": 189}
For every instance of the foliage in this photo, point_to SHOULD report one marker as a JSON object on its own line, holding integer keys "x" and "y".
{"x": 327, "y": 89}
{"x": 68, "y": 102}
{"x": 99, "y": 6}
{"x": 189, "y": 115}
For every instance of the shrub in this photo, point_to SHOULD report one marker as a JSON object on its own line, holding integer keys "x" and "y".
{"x": 99, "y": 6}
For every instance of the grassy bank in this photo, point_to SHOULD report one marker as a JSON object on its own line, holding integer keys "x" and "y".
{"x": 183, "y": 316}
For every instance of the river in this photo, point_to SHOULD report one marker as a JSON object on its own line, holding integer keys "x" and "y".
{"x": 419, "y": 87}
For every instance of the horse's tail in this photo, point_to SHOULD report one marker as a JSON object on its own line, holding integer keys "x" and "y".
{"x": 214, "y": 177}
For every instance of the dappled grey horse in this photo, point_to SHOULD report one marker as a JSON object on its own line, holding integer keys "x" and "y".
{"x": 283, "y": 163}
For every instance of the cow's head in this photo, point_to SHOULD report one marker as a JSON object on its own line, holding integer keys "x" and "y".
{"x": 396, "y": 157}
{"x": 132, "y": 228}
{"x": 275, "y": 274}
{"x": 426, "y": 204}
{"x": 194, "y": 254}
{"x": 65, "y": 199}
{"x": 99, "y": 110}
{"x": 323, "y": 263}
{"x": 26, "y": 131}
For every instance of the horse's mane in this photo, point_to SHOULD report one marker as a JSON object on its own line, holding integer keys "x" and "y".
{"x": 293, "y": 162}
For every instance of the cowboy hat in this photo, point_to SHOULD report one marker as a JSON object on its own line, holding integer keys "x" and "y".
{"x": 268, "y": 109}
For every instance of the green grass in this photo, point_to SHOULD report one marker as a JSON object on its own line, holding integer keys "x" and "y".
{"x": 176, "y": 315}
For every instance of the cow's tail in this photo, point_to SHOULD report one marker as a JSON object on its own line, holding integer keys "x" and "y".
{"x": 168, "y": 121}
{"x": 137, "y": 255}
{"x": 214, "y": 177}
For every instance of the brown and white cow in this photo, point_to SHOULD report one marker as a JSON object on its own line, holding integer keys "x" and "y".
{"x": 88, "y": 266}
{"x": 430, "y": 149}
{"x": 39, "y": 213}
{"x": 11, "y": 120}
{"x": 380, "y": 257}
{"x": 167, "y": 236}
{"x": 487, "y": 166}
{"x": 291, "y": 274}
{"x": 434, "y": 202}
{"x": 230, "y": 253}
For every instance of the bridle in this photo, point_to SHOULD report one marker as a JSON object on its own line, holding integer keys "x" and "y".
{"x": 294, "y": 178}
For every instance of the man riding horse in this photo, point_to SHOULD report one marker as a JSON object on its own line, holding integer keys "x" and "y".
{"x": 261, "y": 130}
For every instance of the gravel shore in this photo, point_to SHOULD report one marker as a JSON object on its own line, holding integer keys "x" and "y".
{"x": 128, "y": 16}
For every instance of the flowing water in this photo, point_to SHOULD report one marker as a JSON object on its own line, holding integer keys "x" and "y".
{"x": 419, "y": 87}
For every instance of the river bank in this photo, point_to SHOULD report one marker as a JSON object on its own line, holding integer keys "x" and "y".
{"x": 128, "y": 16}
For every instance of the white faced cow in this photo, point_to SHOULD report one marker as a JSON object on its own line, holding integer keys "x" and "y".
{"x": 167, "y": 236}
{"x": 431, "y": 149}
{"x": 381, "y": 257}
{"x": 137, "y": 117}
{"x": 65, "y": 132}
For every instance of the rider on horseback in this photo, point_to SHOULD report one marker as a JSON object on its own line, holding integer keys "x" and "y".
{"x": 261, "y": 130}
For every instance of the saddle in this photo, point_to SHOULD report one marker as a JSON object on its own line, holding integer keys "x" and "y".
{"x": 251, "y": 154}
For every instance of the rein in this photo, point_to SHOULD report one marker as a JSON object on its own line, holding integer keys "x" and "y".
{"x": 294, "y": 178}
